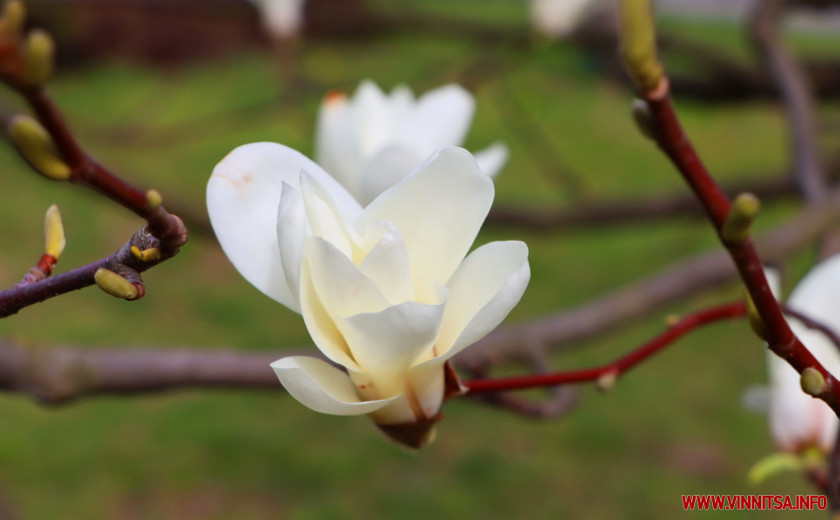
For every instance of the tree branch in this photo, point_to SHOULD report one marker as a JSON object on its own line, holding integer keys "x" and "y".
{"x": 641, "y": 297}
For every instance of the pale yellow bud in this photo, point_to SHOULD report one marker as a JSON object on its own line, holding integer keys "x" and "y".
{"x": 154, "y": 199}
{"x": 744, "y": 210}
{"x": 146, "y": 255}
{"x": 812, "y": 381}
{"x": 36, "y": 146}
{"x": 14, "y": 16}
{"x": 115, "y": 285}
{"x": 638, "y": 44}
{"x": 39, "y": 57}
{"x": 54, "y": 232}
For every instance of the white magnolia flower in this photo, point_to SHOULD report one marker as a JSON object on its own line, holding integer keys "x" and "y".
{"x": 281, "y": 19}
{"x": 385, "y": 291}
{"x": 372, "y": 140}
{"x": 559, "y": 18}
{"x": 797, "y": 420}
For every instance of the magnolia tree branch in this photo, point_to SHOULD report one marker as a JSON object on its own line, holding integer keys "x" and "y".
{"x": 49, "y": 147}
{"x": 125, "y": 263}
{"x": 658, "y": 119}
{"x": 606, "y": 375}
{"x": 643, "y": 296}
{"x": 59, "y": 374}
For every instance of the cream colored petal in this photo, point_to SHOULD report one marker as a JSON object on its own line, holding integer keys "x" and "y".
{"x": 492, "y": 158}
{"x": 385, "y": 169}
{"x": 324, "y": 219}
{"x": 439, "y": 211}
{"x": 322, "y": 387}
{"x": 343, "y": 289}
{"x": 320, "y": 324}
{"x": 484, "y": 289}
{"x": 427, "y": 381}
{"x": 442, "y": 118}
{"x": 386, "y": 344}
{"x": 387, "y": 264}
{"x": 243, "y": 196}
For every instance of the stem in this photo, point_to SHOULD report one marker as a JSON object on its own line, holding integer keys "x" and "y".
{"x": 617, "y": 367}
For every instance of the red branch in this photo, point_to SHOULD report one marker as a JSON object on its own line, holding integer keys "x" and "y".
{"x": 617, "y": 367}
{"x": 675, "y": 143}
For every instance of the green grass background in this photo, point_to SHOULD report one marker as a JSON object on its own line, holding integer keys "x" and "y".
{"x": 674, "y": 426}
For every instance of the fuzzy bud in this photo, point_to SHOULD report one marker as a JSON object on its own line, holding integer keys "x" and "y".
{"x": 36, "y": 147}
{"x": 637, "y": 44}
{"x": 115, "y": 285}
{"x": 54, "y": 232}
{"x": 736, "y": 226}
{"x": 39, "y": 58}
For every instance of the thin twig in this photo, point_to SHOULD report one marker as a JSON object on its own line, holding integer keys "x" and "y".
{"x": 617, "y": 368}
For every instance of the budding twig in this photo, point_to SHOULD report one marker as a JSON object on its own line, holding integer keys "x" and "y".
{"x": 606, "y": 375}
{"x": 673, "y": 141}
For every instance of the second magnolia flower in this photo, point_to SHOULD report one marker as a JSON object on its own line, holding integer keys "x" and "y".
{"x": 387, "y": 291}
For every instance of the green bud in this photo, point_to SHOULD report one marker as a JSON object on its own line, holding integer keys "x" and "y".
{"x": 812, "y": 381}
{"x": 39, "y": 56}
{"x": 637, "y": 44}
{"x": 36, "y": 147}
{"x": 115, "y": 285}
{"x": 736, "y": 226}
{"x": 14, "y": 16}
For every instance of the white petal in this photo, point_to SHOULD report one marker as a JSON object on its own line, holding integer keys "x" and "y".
{"x": 385, "y": 344}
{"x": 442, "y": 117}
{"x": 322, "y": 387}
{"x": 818, "y": 294}
{"x": 323, "y": 216}
{"x": 321, "y": 325}
{"x": 439, "y": 211}
{"x": 372, "y": 118}
{"x": 387, "y": 264}
{"x": 341, "y": 286}
{"x": 484, "y": 289}
{"x": 243, "y": 196}
{"x": 385, "y": 169}
{"x": 492, "y": 158}
{"x": 291, "y": 230}
{"x": 336, "y": 140}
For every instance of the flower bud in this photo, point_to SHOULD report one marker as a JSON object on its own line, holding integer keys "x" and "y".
{"x": 116, "y": 285}
{"x": 37, "y": 148}
{"x": 39, "y": 56}
{"x": 54, "y": 232}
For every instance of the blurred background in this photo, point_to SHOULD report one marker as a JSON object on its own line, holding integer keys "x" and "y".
{"x": 161, "y": 90}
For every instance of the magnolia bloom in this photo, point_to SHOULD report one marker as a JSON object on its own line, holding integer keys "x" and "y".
{"x": 797, "y": 420}
{"x": 559, "y": 18}
{"x": 387, "y": 291}
{"x": 281, "y": 19}
{"x": 372, "y": 141}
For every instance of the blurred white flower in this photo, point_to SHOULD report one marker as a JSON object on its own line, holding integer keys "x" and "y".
{"x": 388, "y": 291}
{"x": 797, "y": 420}
{"x": 281, "y": 19}
{"x": 559, "y": 18}
{"x": 372, "y": 141}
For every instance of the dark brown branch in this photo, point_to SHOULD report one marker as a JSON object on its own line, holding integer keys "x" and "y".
{"x": 646, "y": 295}
{"x": 18, "y": 297}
